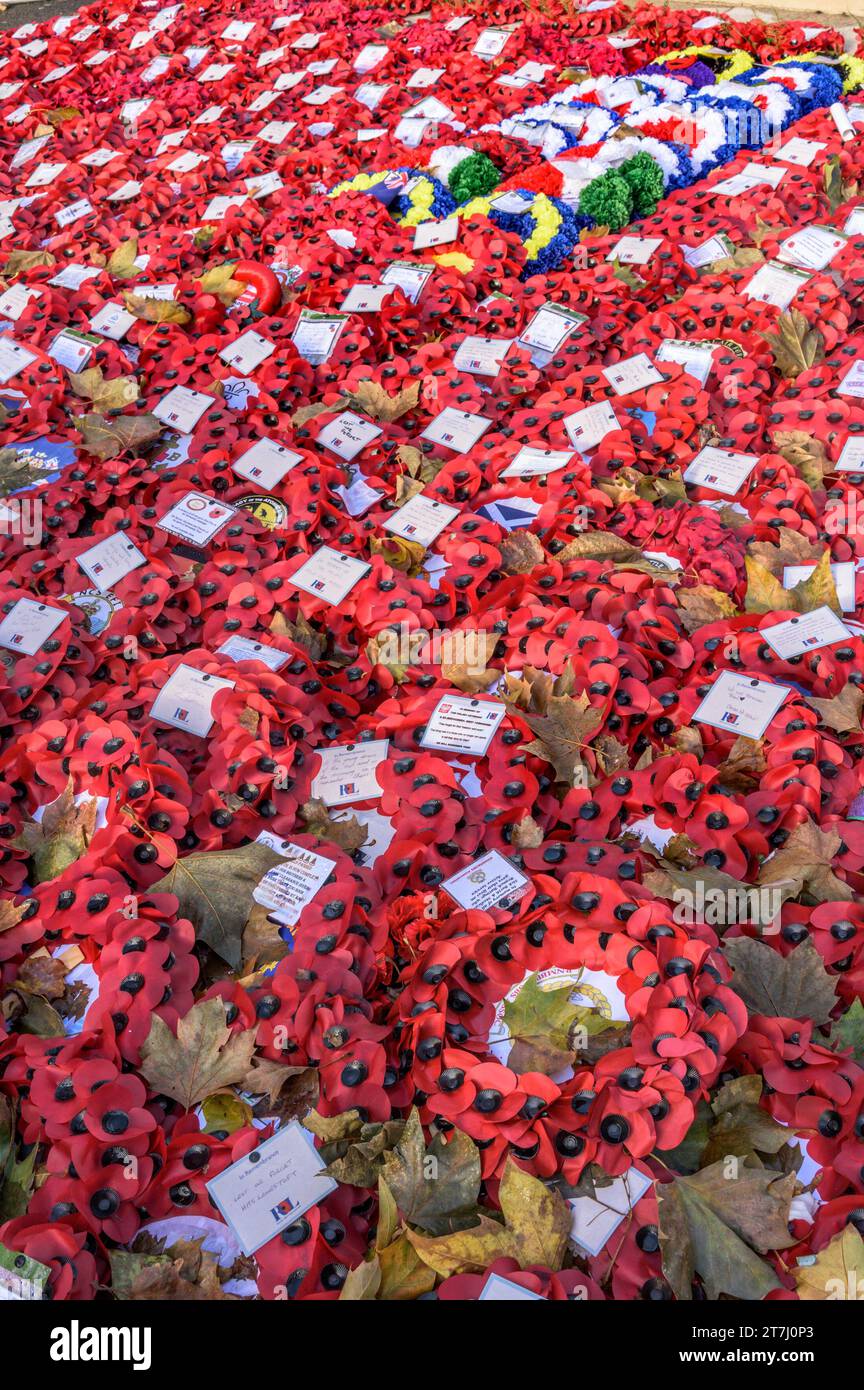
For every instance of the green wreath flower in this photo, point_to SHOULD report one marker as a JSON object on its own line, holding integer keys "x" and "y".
{"x": 644, "y": 178}
{"x": 608, "y": 201}
{"x": 473, "y": 177}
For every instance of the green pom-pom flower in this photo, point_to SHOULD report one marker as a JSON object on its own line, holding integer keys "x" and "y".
{"x": 473, "y": 177}
{"x": 608, "y": 201}
{"x": 644, "y": 178}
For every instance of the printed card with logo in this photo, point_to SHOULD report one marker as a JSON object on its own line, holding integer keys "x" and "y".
{"x": 741, "y": 705}
{"x": 481, "y": 356}
{"x": 851, "y": 458}
{"x": 422, "y": 519}
{"x": 490, "y": 43}
{"x": 436, "y": 233}
{"x": 489, "y": 882}
{"x": 633, "y": 374}
{"x": 13, "y": 359}
{"x": 271, "y": 1187}
{"x": 247, "y": 352}
{"x": 196, "y": 518}
{"x": 365, "y": 299}
{"x": 721, "y": 470}
{"x": 315, "y": 335}
{"x": 348, "y": 435}
{"x": 634, "y": 250}
{"x": 409, "y": 277}
{"x": 329, "y": 574}
{"x": 111, "y": 560}
{"x": 806, "y": 633}
{"x": 551, "y": 326}
{"x": 696, "y": 358}
{"x": 463, "y": 724}
{"x": 776, "y": 284}
{"x": 586, "y": 428}
{"x": 347, "y": 773}
{"x": 28, "y": 624}
{"x": 266, "y": 462}
{"x": 185, "y": 699}
{"x": 853, "y": 382}
{"x": 458, "y": 430}
{"x": 182, "y": 408}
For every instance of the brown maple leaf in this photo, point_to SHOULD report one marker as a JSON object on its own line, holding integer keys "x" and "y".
{"x": 703, "y": 604}
{"x": 348, "y": 834}
{"x": 61, "y": 837}
{"x": 473, "y": 676}
{"x": 765, "y": 593}
{"x": 842, "y": 712}
{"x": 10, "y": 914}
{"x": 804, "y": 452}
{"x": 791, "y": 549}
{"x": 372, "y": 400}
{"x": 805, "y": 861}
{"x": 744, "y": 765}
{"x": 521, "y": 551}
{"x": 202, "y": 1059}
{"x": 562, "y": 733}
{"x": 45, "y": 975}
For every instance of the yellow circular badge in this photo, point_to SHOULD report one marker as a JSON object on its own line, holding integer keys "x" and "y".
{"x": 269, "y": 510}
